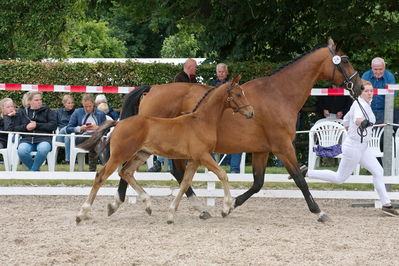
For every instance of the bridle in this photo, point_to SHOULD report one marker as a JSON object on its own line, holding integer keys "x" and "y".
{"x": 230, "y": 100}
{"x": 337, "y": 61}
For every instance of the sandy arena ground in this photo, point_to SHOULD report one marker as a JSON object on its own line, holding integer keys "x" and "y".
{"x": 41, "y": 230}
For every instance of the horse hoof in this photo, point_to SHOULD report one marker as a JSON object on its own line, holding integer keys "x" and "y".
{"x": 224, "y": 214}
{"x": 169, "y": 222}
{"x": 323, "y": 218}
{"x": 111, "y": 209}
{"x": 78, "y": 220}
{"x": 148, "y": 210}
{"x": 205, "y": 215}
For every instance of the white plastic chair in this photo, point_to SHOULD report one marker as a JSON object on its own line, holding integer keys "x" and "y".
{"x": 7, "y": 153}
{"x": 374, "y": 144}
{"x": 328, "y": 119}
{"x": 76, "y": 152}
{"x": 324, "y": 133}
{"x": 15, "y": 157}
{"x": 54, "y": 151}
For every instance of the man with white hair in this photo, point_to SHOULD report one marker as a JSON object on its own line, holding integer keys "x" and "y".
{"x": 379, "y": 77}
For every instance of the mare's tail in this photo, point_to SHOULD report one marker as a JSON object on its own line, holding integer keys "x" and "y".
{"x": 131, "y": 102}
{"x": 91, "y": 143}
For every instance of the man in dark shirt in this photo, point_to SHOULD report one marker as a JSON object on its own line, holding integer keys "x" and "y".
{"x": 189, "y": 72}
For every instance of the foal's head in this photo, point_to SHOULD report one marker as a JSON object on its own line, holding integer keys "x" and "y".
{"x": 343, "y": 74}
{"x": 236, "y": 98}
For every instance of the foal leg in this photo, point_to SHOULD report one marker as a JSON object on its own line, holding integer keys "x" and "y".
{"x": 120, "y": 196}
{"x": 100, "y": 178}
{"x": 178, "y": 172}
{"x": 290, "y": 162}
{"x": 191, "y": 168}
{"x": 210, "y": 163}
{"x": 126, "y": 173}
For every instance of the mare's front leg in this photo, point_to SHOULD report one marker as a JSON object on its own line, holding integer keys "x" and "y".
{"x": 178, "y": 171}
{"x": 126, "y": 173}
{"x": 259, "y": 161}
{"x": 210, "y": 163}
{"x": 191, "y": 169}
{"x": 288, "y": 158}
{"x": 100, "y": 178}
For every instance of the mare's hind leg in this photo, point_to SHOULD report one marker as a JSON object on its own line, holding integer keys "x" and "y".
{"x": 191, "y": 168}
{"x": 127, "y": 174}
{"x": 290, "y": 162}
{"x": 259, "y": 161}
{"x": 100, "y": 178}
{"x": 179, "y": 167}
{"x": 211, "y": 164}
{"x": 119, "y": 197}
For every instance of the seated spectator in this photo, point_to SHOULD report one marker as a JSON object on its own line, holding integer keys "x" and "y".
{"x": 104, "y": 107}
{"x": 7, "y": 115}
{"x": 63, "y": 116}
{"x": 85, "y": 121}
{"x": 102, "y": 99}
{"x": 34, "y": 118}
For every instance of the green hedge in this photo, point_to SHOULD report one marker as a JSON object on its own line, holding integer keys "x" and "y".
{"x": 129, "y": 74}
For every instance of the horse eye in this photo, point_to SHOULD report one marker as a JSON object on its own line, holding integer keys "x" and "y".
{"x": 238, "y": 95}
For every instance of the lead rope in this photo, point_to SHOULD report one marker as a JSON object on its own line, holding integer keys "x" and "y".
{"x": 360, "y": 130}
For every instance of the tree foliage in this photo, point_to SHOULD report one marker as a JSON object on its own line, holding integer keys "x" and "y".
{"x": 33, "y": 29}
{"x": 92, "y": 39}
{"x": 279, "y": 30}
{"x": 180, "y": 45}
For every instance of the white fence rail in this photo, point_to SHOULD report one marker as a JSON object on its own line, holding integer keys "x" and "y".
{"x": 210, "y": 192}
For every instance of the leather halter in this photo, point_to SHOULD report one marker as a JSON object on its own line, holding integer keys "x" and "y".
{"x": 230, "y": 100}
{"x": 348, "y": 79}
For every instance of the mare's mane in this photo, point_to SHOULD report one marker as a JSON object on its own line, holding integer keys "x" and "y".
{"x": 202, "y": 99}
{"x": 293, "y": 61}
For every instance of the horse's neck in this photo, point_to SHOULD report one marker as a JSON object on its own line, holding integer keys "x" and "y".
{"x": 211, "y": 111}
{"x": 298, "y": 79}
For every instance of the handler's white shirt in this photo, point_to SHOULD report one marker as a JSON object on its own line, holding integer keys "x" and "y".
{"x": 354, "y": 113}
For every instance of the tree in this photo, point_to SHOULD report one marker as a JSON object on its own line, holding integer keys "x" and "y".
{"x": 92, "y": 39}
{"x": 181, "y": 44}
{"x": 33, "y": 29}
{"x": 278, "y": 30}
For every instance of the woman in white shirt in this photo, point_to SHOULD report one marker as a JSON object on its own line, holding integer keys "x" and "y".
{"x": 355, "y": 150}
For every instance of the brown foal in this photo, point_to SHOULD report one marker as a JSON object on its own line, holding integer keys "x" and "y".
{"x": 192, "y": 137}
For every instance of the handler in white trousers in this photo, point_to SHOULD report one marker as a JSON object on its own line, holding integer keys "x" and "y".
{"x": 355, "y": 150}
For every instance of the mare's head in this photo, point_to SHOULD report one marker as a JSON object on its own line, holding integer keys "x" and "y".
{"x": 341, "y": 70}
{"x": 236, "y": 98}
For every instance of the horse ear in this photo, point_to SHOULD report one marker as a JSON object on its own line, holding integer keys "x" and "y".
{"x": 330, "y": 41}
{"x": 237, "y": 79}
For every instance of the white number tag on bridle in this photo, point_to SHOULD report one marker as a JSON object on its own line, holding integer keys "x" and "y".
{"x": 336, "y": 59}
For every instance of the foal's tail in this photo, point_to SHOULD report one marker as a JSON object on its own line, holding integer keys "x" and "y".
{"x": 92, "y": 142}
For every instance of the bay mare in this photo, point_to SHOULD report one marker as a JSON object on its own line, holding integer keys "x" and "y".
{"x": 191, "y": 137}
{"x": 276, "y": 98}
